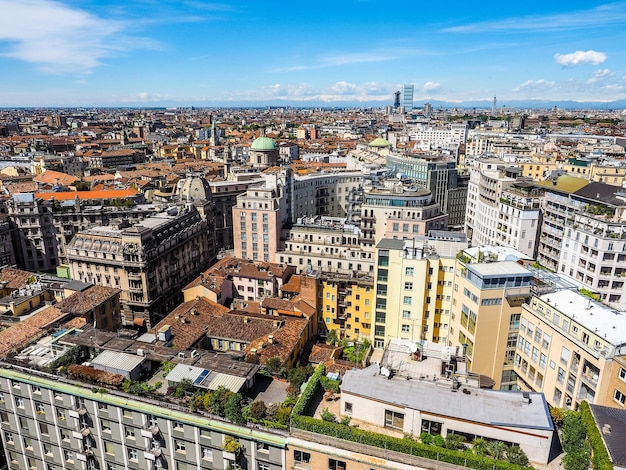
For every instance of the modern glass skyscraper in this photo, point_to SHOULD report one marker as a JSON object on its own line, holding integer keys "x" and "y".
{"x": 407, "y": 97}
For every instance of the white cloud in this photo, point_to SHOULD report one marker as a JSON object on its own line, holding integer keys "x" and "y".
{"x": 580, "y": 57}
{"x": 603, "y": 15}
{"x": 599, "y": 76}
{"x": 535, "y": 85}
{"x": 431, "y": 87}
{"x": 57, "y": 37}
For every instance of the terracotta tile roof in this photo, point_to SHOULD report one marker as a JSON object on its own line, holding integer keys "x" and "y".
{"x": 293, "y": 285}
{"x": 104, "y": 194}
{"x": 14, "y": 278}
{"x": 23, "y": 187}
{"x": 285, "y": 341}
{"x": 189, "y": 320}
{"x": 305, "y": 308}
{"x": 81, "y": 303}
{"x": 23, "y": 333}
{"x": 241, "y": 327}
{"x": 102, "y": 177}
{"x": 278, "y": 304}
{"x": 321, "y": 353}
{"x": 55, "y": 177}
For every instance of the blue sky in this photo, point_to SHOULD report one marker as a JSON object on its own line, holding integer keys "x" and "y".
{"x": 194, "y": 52}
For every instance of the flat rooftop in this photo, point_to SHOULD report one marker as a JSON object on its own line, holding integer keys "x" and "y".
{"x": 605, "y": 321}
{"x": 496, "y": 408}
{"x": 502, "y": 268}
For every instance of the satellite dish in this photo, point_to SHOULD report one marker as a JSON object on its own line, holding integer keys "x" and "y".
{"x": 413, "y": 347}
{"x": 385, "y": 372}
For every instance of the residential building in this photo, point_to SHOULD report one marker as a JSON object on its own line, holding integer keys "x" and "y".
{"x": 440, "y": 176}
{"x": 485, "y": 315}
{"x": 583, "y": 235}
{"x": 325, "y": 244}
{"x": 394, "y": 211}
{"x": 150, "y": 261}
{"x": 519, "y": 217}
{"x": 488, "y": 180}
{"x": 54, "y": 423}
{"x": 572, "y": 348}
{"x": 347, "y": 305}
{"x": 414, "y": 287}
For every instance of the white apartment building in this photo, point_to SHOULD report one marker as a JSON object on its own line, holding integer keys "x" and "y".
{"x": 502, "y": 207}
{"x": 583, "y": 235}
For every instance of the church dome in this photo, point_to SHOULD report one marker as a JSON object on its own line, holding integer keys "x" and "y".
{"x": 194, "y": 188}
{"x": 379, "y": 142}
{"x": 263, "y": 144}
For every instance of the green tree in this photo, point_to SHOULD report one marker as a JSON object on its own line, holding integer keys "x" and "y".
{"x": 328, "y": 416}
{"x": 273, "y": 365}
{"x": 217, "y": 401}
{"x": 258, "y": 409}
{"x": 517, "y": 456}
{"x": 497, "y": 449}
{"x": 479, "y": 446}
{"x": 454, "y": 441}
{"x": 232, "y": 408}
{"x": 332, "y": 338}
{"x": 184, "y": 386}
{"x": 426, "y": 438}
{"x": 296, "y": 377}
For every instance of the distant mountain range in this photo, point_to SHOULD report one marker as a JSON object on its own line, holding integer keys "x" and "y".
{"x": 478, "y": 104}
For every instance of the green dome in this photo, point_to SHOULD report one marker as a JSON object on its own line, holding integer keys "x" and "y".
{"x": 263, "y": 143}
{"x": 380, "y": 142}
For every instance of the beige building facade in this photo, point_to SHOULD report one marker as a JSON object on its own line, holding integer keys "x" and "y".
{"x": 572, "y": 349}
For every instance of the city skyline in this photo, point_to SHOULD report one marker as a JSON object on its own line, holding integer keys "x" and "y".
{"x": 149, "y": 53}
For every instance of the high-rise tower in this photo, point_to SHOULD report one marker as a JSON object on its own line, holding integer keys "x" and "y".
{"x": 407, "y": 97}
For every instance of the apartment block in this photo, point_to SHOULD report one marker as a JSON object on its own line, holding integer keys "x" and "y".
{"x": 395, "y": 211}
{"x": 583, "y": 235}
{"x": 491, "y": 215}
{"x": 325, "y": 244}
{"x": 414, "y": 287}
{"x": 572, "y": 348}
{"x": 150, "y": 262}
{"x": 519, "y": 217}
{"x": 486, "y": 311}
{"x": 50, "y": 423}
{"x": 347, "y": 305}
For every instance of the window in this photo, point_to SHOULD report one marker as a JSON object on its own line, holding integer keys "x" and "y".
{"x": 132, "y": 454}
{"x": 180, "y": 446}
{"x": 178, "y": 425}
{"x": 337, "y": 464}
{"x": 102, "y": 406}
{"x": 301, "y": 458}
{"x": 347, "y": 407}
{"x": 207, "y": 454}
{"x": 406, "y": 315}
{"x": 4, "y": 417}
{"x": 408, "y": 286}
{"x": 105, "y": 425}
{"x": 67, "y": 455}
{"x": 622, "y": 373}
{"x": 409, "y": 271}
{"x": 19, "y": 402}
{"x": 8, "y": 437}
{"x": 407, "y": 300}
{"x": 130, "y": 433}
{"x": 619, "y": 397}
{"x": 393, "y": 419}
{"x": 406, "y": 328}
{"x": 263, "y": 466}
{"x": 109, "y": 448}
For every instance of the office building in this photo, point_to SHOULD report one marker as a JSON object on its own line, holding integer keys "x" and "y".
{"x": 407, "y": 98}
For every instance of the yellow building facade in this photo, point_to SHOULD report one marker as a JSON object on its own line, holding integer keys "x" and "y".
{"x": 347, "y": 305}
{"x": 486, "y": 311}
{"x": 414, "y": 287}
{"x": 572, "y": 349}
